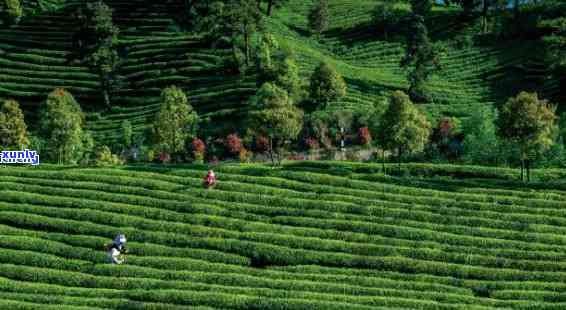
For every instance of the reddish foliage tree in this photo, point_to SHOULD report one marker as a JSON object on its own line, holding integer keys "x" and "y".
{"x": 445, "y": 127}
{"x": 312, "y": 143}
{"x": 164, "y": 157}
{"x": 364, "y": 136}
{"x": 233, "y": 144}
{"x": 261, "y": 144}
{"x": 199, "y": 148}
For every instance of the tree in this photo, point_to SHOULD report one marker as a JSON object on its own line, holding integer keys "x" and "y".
{"x": 421, "y": 56}
{"x": 176, "y": 121}
{"x": 233, "y": 144}
{"x": 421, "y": 7}
{"x": 404, "y": 128}
{"x": 468, "y": 6}
{"x": 277, "y": 65}
{"x": 387, "y": 16}
{"x": 104, "y": 59}
{"x": 480, "y": 142}
{"x": 319, "y": 17}
{"x": 286, "y": 76}
{"x": 267, "y": 47}
{"x": 326, "y": 85}
{"x": 104, "y": 157}
{"x": 562, "y": 128}
{"x": 271, "y": 4}
{"x": 276, "y": 117}
{"x": 528, "y": 122}
{"x": 243, "y": 19}
{"x": 12, "y": 11}
{"x": 62, "y": 122}
{"x": 127, "y": 133}
{"x": 13, "y": 129}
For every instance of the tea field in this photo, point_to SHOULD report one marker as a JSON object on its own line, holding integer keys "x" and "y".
{"x": 308, "y": 235}
{"x": 36, "y": 56}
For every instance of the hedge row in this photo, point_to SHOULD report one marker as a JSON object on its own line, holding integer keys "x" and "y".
{"x": 267, "y": 236}
{"x": 195, "y": 290}
{"x": 268, "y": 228}
{"x": 20, "y": 197}
{"x": 186, "y": 263}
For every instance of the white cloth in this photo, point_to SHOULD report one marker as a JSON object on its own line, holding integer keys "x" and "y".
{"x": 114, "y": 256}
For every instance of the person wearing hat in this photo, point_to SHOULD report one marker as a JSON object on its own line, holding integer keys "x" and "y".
{"x": 117, "y": 249}
{"x": 210, "y": 179}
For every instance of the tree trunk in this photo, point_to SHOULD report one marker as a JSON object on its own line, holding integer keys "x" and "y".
{"x": 383, "y": 161}
{"x": 522, "y": 170}
{"x": 399, "y": 160}
{"x": 259, "y": 5}
{"x": 271, "y": 151}
{"x": 106, "y": 98}
{"x": 528, "y": 170}
{"x": 247, "y": 47}
{"x": 484, "y": 16}
{"x": 516, "y": 10}
{"x": 269, "y": 7}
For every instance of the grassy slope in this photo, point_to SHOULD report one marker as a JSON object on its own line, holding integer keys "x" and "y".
{"x": 339, "y": 238}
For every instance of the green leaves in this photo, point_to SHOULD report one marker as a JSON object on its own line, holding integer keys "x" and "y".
{"x": 326, "y": 85}
{"x": 275, "y": 116}
{"x": 62, "y": 122}
{"x": 176, "y": 121}
{"x": 13, "y": 129}
{"x": 421, "y": 56}
{"x": 527, "y": 121}
{"x": 13, "y": 10}
{"x": 404, "y": 127}
{"x": 319, "y": 17}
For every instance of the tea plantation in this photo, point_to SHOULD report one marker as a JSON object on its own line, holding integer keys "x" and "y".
{"x": 35, "y": 58}
{"x": 308, "y": 235}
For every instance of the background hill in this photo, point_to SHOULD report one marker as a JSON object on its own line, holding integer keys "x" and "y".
{"x": 35, "y": 58}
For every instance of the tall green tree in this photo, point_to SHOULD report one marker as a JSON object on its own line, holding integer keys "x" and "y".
{"x": 404, "y": 129}
{"x": 243, "y": 19}
{"x": 104, "y": 58}
{"x": 421, "y": 57}
{"x": 421, "y": 7}
{"x": 287, "y": 77}
{"x": 387, "y": 16}
{"x": 528, "y": 122}
{"x": 275, "y": 116}
{"x": 127, "y": 134}
{"x": 62, "y": 122}
{"x": 11, "y": 10}
{"x": 326, "y": 85}
{"x": 13, "y": 129}
{"x": 277, "y": 65}
{"x": 319, "y": 17}
{"x": 480, "y": 142}
{"x": 271, "y": 4}
{"x": 176, "y": 121}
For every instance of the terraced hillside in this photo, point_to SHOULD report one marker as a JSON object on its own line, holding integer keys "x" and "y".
{"x": 305, "y": 236}
{"x": 470, "y": 76}
{"x": 35, "y": 57}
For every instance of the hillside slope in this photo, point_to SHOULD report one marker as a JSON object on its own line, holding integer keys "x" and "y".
{"x": 302, "y": 237}
{"x": 35, "y": 58}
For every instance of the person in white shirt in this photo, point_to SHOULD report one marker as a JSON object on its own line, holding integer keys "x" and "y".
{"x": 117, "y": 249}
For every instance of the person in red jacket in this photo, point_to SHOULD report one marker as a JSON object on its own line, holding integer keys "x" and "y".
{"x": 210, "y": 179}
